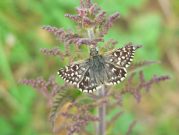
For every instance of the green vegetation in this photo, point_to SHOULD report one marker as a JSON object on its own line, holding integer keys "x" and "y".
{"x": 23, "y": 111}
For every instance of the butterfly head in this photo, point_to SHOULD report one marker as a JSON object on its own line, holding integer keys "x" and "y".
{"x": 93, "y": 51}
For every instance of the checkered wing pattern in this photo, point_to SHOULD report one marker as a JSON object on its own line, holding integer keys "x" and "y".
{"x": 88, "y": 82}
{"x": 79, "y": 74}
{"x": 109, "y": 69}
{"x": 74, "y": 73}
{"x": 122, "y": 57}
{"x": 116, "y": 63}
{"x": 115, "y": 74}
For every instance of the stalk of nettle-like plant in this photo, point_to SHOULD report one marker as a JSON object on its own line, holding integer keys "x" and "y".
{"x": 96, "y": 73}
{"x": 100, "y": 130}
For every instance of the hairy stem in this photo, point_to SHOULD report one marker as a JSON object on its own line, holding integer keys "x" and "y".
{"x": 101, "y": 126}
{"x": 91, "y": 33}
{"x": 101, "y": 113}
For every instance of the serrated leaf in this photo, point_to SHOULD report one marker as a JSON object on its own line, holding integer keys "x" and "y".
{"x": 60, "y": 99}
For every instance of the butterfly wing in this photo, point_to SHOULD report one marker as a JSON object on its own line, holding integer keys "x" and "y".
{"x": 80, "y": 75}
{"x": 114, "y": 73}
{"x": 88, "y": 82}
{"x": 74, "y": 73}
{"x": 116, "y": 63}
{"x": 122, "y": 57}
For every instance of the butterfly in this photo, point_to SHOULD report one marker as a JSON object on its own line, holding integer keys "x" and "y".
{"x": 108, "y": 69}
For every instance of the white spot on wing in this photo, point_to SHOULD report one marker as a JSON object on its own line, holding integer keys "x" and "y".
{"x": 81, "y": 90}
{"x": 87, "y": 78}
{"x": 114, "y": 82}
{"x": 113, "y": 69}
{"x": 90, "y": 91}
{"x": 85, "y": 90}
{"x": 74, "y": 83}
{"x": 119, "y": 62}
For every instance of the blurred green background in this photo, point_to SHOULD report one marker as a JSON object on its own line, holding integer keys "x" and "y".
{"x": 152, "y": 23}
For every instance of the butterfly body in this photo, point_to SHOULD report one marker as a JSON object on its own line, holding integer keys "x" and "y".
{"x": 108, "y": 69}
{"x": 97, "y": 68}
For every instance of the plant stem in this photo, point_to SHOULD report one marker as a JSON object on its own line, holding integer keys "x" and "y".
{"x": 91, "y": 34}
{"x": 101, "y": 126}
{"x": 101, "y": 113}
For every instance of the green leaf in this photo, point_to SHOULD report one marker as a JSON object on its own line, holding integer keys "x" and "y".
{"x": 60, "y": 99}
{"x": 5, "y": 127}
